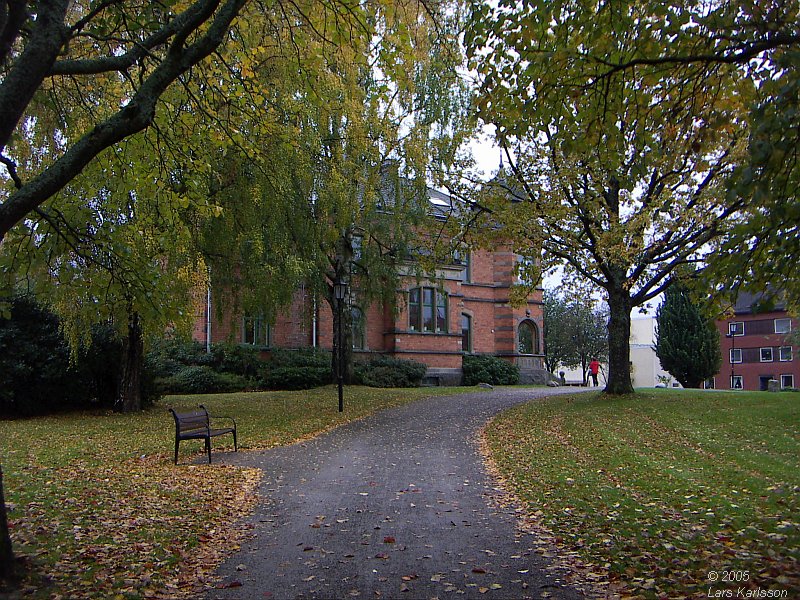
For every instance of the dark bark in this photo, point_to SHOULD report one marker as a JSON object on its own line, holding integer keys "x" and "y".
{"x": 619, "y": 350}
{"x": 48, "y": 36}
{"x": 6, "y": 551}
{"x": 347, "y": 340}
{"x": 137, "y": 115}
{"x": 130, "y": 385}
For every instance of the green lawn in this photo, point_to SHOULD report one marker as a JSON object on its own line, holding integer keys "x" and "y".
{"x": 665, "y": 493}
{"x": 98, "y": 509}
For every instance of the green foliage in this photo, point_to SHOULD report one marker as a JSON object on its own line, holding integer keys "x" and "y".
{"x": 387, "y": 372}
{"x": 300, "y": 369}
{"x": 237, "y": 359}
{"x": 301, "y": 357}
{"x": 34, "y": 360}
{"x": 42, "y": 374}
{"x": 687, "y": 343}
{"x": 196, "y": 379}
{"x": 575, "y": 331}
{"x": 489, "y": 369}
{"x": 185, "y": 367}
{"x": 620, "y": 163}
{"x": 296, "y": 378}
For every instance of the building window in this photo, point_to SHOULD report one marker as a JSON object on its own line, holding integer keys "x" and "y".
{"x": 736, "y": 328}
{"x": 427, "y": 308}
{"x": 466, "y": 333}
{"x": 256, "y": 331}
{"x": 783, "y": 325}
{"x": 462, "y": 257}
{"x": 528, "y": 338}
{"x": 766, "y": 354}
{"x": 787, "y": 381}
{"x": 358, "y": 325}
{"x": 785, "y": 353}
{"x": 736, "y": 355}
{"x": 736, "y": 382}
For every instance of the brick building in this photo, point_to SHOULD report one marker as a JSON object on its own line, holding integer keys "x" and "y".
{"x": 464, "y": 308}
{"x": 758, "y": 346}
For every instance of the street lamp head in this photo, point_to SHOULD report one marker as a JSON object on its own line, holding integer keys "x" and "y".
{"x": 340, "y": 290}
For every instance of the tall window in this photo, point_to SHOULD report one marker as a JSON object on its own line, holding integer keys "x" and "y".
{"x": 785, "y": 353}
{"x": 783, "y": 325}
{"x": 466, "y": 333}
{"x": 736, "y": 328}
{"x": 427, "y": 310}
{"x": 736, "y": 355}
{"x": 736, "y": 382}
{"x": 766, "y": 354}
{"x": 787, "y": 381}
{"x": 255, "y": 331}
{"x": 528, "y": 338}
{"x": 359, "y": 329}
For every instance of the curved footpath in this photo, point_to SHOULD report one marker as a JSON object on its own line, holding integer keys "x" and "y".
{"x": 397, "y": 505}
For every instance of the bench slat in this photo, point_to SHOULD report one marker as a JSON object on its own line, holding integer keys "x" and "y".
{"x": 197, "y": 425}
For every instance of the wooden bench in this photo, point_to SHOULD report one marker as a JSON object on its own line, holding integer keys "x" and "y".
{"x": 197, "y": 426}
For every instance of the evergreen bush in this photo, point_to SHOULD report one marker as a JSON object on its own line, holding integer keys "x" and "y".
{"x": 489, "y": 369}
{"x": 386, "y": 372}
{"x": 199, "y": 379}
{"x": 296, "y": 378}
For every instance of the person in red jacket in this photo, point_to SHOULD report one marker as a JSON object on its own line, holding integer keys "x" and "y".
{"x": 594, "y": 369}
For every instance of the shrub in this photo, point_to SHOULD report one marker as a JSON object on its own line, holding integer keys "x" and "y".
{"x": 302, "y": 357}
{"x": 237, "y": 359}
{"x": 296, "y": 378}
{"x": 39, "y": 374}
{"x": 387, "y": 372}
{"x": 489, "y": 369}
{"x": 34, "y": 360}
{"x": 168, "y": 356}
{"x": 194, "y": 379}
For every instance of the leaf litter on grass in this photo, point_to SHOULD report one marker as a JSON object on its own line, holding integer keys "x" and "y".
{"x": 627, "y": 491}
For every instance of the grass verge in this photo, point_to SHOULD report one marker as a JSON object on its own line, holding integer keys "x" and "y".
{"x": 666, "y": 494}
{"x": 98, "y": 510}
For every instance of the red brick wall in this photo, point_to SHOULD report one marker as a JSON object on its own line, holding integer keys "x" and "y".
{"x": 485, "y": 297}
{"x": 756, "y": 336}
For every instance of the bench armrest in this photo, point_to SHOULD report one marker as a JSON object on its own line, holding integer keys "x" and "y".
{"x": 210, "y": 416}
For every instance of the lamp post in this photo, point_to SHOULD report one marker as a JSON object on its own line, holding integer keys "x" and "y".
{"x": 339, "y": 293}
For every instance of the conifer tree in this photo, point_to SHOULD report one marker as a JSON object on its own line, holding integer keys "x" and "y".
{"x": 687, "y": 344}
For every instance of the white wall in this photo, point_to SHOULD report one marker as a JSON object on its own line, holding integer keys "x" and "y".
{"x": 646, "y": 366}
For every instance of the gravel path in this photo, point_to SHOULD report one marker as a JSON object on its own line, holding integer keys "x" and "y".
{"x": 397, "y": 505}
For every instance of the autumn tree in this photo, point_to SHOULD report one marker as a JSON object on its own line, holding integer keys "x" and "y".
{"x": 575, "y": 331}
{"x": 79, "y": 78}
{"x": 621, "y": 174}
{"x": 687, "y": 342}
{"x": 761, "y": 40}
{"x": 335, "y": 188}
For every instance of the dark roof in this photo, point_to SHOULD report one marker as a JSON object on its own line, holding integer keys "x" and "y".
{"x": 753, "y": 303}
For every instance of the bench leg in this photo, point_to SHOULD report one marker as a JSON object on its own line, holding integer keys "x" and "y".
{"x": 208, "y": 449}
{"x": 177, "y": 441}
{"x": 235, "y": 445}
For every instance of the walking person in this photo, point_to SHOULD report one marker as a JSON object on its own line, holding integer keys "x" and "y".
{"x": 594, "y": 369}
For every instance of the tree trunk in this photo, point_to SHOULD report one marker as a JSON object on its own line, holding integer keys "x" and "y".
{"x": 346, "y": 340}
{"x": 6, "y": 551}
{"x": 619, "y": 350}
{"x": 130, "y": 384}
